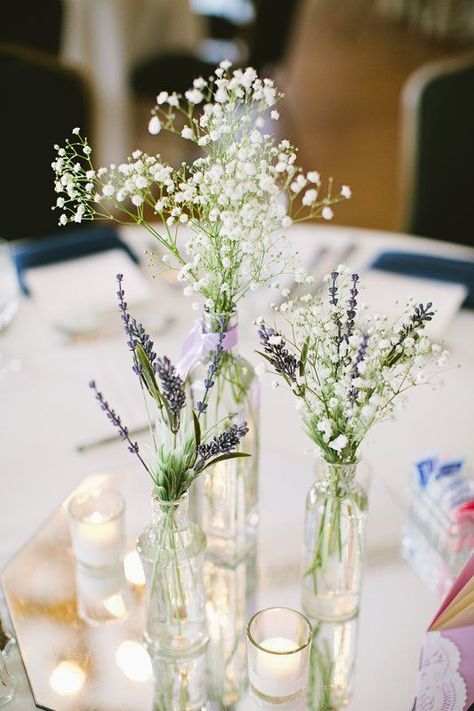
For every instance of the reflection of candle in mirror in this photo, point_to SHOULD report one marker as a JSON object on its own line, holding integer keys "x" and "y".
{"x": 133, "y": 568}
{"x": 67, "y": 678}
{"x": 97, "y": 528}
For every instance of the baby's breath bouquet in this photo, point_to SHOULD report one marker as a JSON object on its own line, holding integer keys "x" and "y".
{"x": 172, "y": 549}
{"x": 235, "y": 201}
{"x": 348, "y": 371}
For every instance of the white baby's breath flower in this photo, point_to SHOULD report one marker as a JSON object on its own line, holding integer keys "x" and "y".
{"x": 346, "y": 192}
{"x": 137, "y": 200}
{"x": 327, "y": 213}
{"x": 310, "y": 197}
{"x": 162, "y": 98}
{"x": 154, "y": 125}
{"x": 274, "y": 115}
{"x": 314, "y": 177}
{"x": 339, "y": 442}
{"x": 187, "y": 132}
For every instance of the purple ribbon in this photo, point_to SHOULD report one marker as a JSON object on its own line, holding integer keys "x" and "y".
{"x": 198, "y": 344}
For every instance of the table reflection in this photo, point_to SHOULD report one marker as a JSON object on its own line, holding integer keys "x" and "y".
{"x": 331, "y": 665}
{"x": 101, "y": 595}
{"x": 231, "y": 591}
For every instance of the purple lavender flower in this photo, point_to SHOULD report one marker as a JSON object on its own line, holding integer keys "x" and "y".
{"x": 352, "y": 306}
{"x": 333, "y": 289}
{"x": 116, "y": 421}
{"x": 172, "y": 386}
{"x": 201, "y": 406}
{"x": 360, "y": 355}
{"x": 223, "y": 443}
{"x": 281, "y": 359}
{"x": 134, "y": 331}
{"x": 419, "y": 318}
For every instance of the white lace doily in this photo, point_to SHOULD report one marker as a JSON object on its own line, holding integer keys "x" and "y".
{"x": 440, "y": 686}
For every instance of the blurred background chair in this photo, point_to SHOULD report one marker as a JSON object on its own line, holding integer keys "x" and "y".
{"x": 41, "y": 103}
{"x": 32, "y": 23}
{"x": 438, "y": 151}
{"x": 259, "y": 38}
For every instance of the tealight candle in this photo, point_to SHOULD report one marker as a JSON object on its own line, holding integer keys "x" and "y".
{"x": 278, "y": 643}
{"x": 97, "y": 528}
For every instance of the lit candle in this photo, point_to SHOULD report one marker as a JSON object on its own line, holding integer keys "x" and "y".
{"x": 278, "y": 652}
{"x": 97, "y": 528}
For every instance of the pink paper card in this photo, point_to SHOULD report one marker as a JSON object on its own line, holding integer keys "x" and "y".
{"x": 446, "y": 674}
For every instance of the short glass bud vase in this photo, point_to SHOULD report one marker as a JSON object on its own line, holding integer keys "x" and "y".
{"x": 172, "y": 551}
{"x": 334, "y": 541}
{"x": 225, "y": 502}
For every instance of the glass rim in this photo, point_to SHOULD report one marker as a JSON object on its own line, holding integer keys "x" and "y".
{"x": 210, "y": 312}
{"x": 82, "y": 496}
{"x": 356, "y": 461}
{"x": 174, "y": 502}
{"x": 273, "y": 651}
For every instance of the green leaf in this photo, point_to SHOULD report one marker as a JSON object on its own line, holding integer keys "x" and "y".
{"x": 304, "y": 356}
{"x": 151, "y": 384}
{"x": 223, "y": 457}
{"x": 267, "y": 358}
{"x": 197, "y": 429}
{"x": 147, "y": 374}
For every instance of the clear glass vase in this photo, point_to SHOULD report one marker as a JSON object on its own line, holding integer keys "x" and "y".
{"x": 225, "y": 502}
{"x": 336, "y": 512}
{"x": 172, "y": 552}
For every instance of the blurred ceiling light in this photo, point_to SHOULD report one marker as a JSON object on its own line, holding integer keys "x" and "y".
{"x": 133, "y": 660}
{"x": 67, "y": 678}
{"x": 115, "y": 604}
{"x": 133, "y": 569}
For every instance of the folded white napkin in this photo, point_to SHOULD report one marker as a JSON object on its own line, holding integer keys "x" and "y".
{"x": 79, "y": 295}
{"x": 387, "y": 294}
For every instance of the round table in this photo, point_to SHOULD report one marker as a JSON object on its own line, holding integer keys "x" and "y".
{"x": 47, "y": 411}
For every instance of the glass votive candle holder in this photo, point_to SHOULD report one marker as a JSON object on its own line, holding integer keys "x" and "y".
{"x": 97, "y": 524}
{"x": 278, "y": 647}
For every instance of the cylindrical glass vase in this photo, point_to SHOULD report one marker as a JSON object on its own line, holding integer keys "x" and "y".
{"x": 225, "y": 501}
{"x": 335, "y": 522}
{"x": 172, "y": 552}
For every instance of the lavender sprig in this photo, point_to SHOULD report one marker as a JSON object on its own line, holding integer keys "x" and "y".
{"x": 116, "y": 421}
{"x": 360, "y": 355}
{"x": 134, "y": 331}
{"x": 201, "y": 406}
{"x": 352, "y": 306}
{"x": 333, "y": 289}
{"x": 172, "y": 388}
{"x": 278, "y": 355}
{"x": 419, "y": 318}
{"x": 223, "y": 443}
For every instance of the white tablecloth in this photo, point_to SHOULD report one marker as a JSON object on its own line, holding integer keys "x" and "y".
{"x": 105, "y": 39}
{"x": 47, "y": 411}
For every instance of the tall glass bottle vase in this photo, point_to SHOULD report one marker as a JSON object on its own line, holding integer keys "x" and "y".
{"x": 226, "y": 500}
{"x": 335, "y": 522}
{"x": 172, "y": 551}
